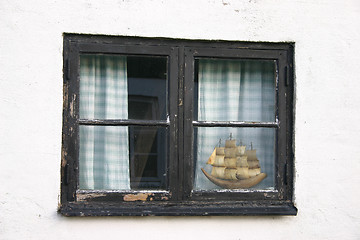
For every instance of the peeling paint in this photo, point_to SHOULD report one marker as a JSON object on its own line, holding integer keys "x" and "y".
{"x": 137, "y": 197}
{"x": 63, "y": 157}
{"x": 81, "y": 197}
{"x": 72, "y": 106}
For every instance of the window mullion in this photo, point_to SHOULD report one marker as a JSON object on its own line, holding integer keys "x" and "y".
{"x": 173, "y": 173}
{"x": 188, "y": 171}
{"x": 180, "y": 123}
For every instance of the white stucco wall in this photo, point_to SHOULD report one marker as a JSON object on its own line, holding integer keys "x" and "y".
{"x": 327, "y": 130}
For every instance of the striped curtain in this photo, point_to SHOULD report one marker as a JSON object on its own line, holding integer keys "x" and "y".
{"x": 232, "y": 90}
{"x": 104, "y": 150}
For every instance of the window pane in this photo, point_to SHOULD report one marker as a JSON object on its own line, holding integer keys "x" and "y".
{"x": 250, "y": 152}
{"x": 103, "y": 87}
{"x": 122, "y": 158}
{"x": 234, "y": 90}
{"x": 147, "y": 87}
{"x": 123, "y": 87}
{"x": 104, "y": 158}
{"x": 148, "y": 154}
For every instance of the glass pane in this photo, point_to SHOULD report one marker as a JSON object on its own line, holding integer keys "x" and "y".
{"x": 147, "y": 87}
{"x": 148, "y": 154}
{"x": 234, "y": 90}
{"x": 122, "y": 158}
{"x": 104, "y": 158}
{"x": 234, "y": 158}
{"x": 123, "y": 87}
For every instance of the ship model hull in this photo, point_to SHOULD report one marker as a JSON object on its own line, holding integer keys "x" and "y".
{"x": 235, "y": 184}
{"x": 234, "y": 167}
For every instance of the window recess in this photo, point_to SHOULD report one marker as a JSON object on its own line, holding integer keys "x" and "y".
{"x": 176, "y": 127}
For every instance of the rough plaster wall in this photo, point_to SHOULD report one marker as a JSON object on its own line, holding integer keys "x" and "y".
{"x": 327, "y": 130}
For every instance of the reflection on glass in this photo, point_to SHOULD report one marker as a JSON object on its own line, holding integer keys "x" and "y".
{"x": 232, "y": 158}
{"x": 147, "y": 157}
{"x": 109, "y": 83}
{"x": 147, "y": 86}
{"x": 234, "y": 90}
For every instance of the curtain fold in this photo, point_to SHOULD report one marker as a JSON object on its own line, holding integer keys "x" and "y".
{"x": 104, "y": 150}
{"x": 231, "y": 90}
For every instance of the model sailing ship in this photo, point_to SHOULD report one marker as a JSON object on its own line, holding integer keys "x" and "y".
{"x": 234, "y": 167}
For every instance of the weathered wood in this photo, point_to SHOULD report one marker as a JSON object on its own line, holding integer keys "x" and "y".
{"x": 122, "y": 122}
{"x": 235, "y": 124}
{"x": 178, "y": 209}
{"x": 179, "y": 198}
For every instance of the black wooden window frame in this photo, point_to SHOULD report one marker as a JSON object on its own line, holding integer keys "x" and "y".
{"x": 178, "y": 198}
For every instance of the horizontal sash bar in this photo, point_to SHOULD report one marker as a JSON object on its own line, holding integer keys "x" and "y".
{"x": 235, "y": 124}
{"x": 123, "y": 122}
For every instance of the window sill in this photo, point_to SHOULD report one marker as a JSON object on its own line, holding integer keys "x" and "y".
{"x": 259, "y": 208}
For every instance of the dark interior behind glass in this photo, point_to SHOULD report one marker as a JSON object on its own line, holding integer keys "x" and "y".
{"x": 147, "y": 100}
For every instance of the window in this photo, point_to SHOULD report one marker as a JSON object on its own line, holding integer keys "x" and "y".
{"x": 176, "y": 127}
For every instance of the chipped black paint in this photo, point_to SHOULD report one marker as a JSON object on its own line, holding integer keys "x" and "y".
{"x": 179, "y": 199}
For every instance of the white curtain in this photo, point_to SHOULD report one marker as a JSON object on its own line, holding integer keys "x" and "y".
{"x": 104, "y": 150}
{"x": 231, "y": 90}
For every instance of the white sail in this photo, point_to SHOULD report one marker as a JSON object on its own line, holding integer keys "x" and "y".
{"x": 234, "y": 162}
